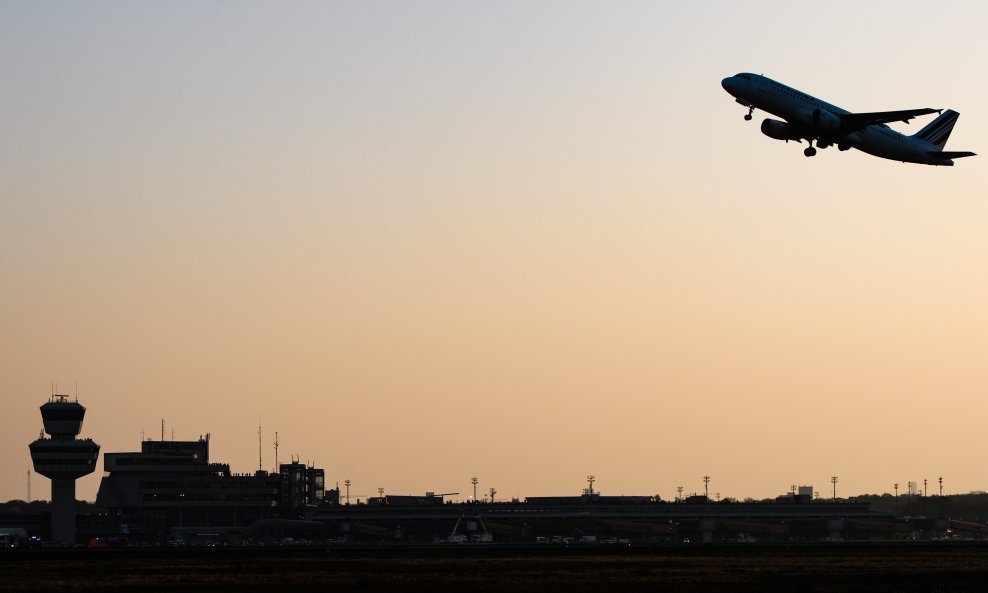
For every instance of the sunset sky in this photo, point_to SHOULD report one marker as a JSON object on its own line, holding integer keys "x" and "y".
{"x": 523, "y": 241}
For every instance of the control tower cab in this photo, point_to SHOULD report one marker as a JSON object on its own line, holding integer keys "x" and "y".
{"x": 63, "y": 459}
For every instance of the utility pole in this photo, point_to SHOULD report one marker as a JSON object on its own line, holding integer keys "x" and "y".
{"x": 474, "y": 481}
{"x": 591, "y": 479}
{"x": 29, "y": 485}
{"x": 896, "y": 486}
{"x": 260, "y": 463}
{"x": 924, "y": 487}
{"x": 833, "y": 480}
{"x": 347, "y": 484}
{"x": 679, "y": 489}
{"x": 380, "y": 492}
{"x": 276, "y": 466}
{"x": 941, "y": 485}
{"x": 493, "y": 492}
{"x": 706, "y": 490}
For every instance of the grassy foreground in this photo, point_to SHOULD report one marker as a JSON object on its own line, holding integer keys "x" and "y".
{"x": 763, "y": 569}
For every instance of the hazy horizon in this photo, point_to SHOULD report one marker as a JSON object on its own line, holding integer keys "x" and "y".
{"x": 526, "y": 242}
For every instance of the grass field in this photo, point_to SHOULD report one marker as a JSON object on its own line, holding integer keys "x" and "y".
{"x": 903, "y": 567}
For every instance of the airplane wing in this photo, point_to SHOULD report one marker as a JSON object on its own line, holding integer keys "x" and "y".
{"x": 858, "y": 121}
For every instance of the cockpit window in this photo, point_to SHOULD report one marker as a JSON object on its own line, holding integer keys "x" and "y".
{"x": 744, "y": 77}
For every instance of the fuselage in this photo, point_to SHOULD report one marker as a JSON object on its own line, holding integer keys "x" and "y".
{"x": 797, "y": 109}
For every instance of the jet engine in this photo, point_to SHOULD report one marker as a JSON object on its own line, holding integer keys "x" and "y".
{"x": 822, "y": 118}
{"x": 778, "y": 130}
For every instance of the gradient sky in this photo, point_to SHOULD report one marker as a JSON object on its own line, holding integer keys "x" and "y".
{"x": 523, "y": 241}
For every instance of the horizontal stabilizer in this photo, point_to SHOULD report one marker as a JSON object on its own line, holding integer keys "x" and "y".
{"x": 946, "y": 154}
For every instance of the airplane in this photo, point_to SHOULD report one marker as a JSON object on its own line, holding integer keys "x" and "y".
{"x": 808, "y": 118}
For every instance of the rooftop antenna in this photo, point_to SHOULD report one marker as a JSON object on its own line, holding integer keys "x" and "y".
{"x": 76, "y": 392}
{"x": 276, "y": 443}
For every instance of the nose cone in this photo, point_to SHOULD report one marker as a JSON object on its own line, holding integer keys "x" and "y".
{"x": 730, "y": 84}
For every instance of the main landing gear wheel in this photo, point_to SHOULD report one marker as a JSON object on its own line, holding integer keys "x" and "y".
{"x": 747, "y": 116}
{"x": 810, "y": 151}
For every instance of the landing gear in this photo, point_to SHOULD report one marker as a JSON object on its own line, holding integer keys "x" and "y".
{"x": 747, "y": 116}
{"x": 810, "y": 151}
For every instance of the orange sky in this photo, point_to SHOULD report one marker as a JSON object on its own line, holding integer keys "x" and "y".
{"x": 527, "y": 244}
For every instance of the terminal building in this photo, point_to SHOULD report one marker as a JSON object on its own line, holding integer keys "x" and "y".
{"x": 171, "y": 489}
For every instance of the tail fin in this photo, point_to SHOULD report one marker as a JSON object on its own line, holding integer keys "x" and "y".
{"x": 937, "y": 131}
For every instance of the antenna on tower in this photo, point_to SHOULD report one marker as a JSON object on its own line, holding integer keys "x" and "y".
{"x": 276, "y": 443}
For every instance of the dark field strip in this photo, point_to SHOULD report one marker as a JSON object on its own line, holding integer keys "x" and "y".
{"x": 762, "y": 569}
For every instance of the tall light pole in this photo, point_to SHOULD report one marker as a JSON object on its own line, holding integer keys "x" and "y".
{"x": 347, "y": 484}
{"x": 940, "y": 479}
{"x": 833, "y": 480}
{"x": 474, "y": 482}
{"x": 591, "y": 480}
{"x": 276, "y": 443}
{"x": 380, "y": 492}
{"x": 706, "y": 489}
{"x": 896, "y": 486}
{"x": 924, "y": 487}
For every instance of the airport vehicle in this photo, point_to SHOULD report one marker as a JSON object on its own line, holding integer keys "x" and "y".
{"x": 811, "y": 119}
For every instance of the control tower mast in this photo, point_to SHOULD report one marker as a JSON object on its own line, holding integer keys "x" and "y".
{"x": 63, "y": 459}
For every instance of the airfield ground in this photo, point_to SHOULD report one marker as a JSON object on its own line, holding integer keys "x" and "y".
{"x": 845, "y": 567}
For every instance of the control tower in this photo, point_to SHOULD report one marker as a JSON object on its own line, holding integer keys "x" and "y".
{"x": 63, "y": 458}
